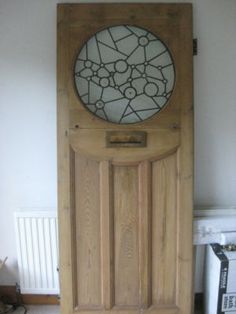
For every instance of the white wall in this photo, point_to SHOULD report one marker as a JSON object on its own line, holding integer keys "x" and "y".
{"x": 28, "y": 110}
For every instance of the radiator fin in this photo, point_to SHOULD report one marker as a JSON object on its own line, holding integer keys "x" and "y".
{"x": 37, "y": 250}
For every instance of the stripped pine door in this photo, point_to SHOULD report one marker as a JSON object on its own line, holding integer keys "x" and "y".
{"x": 125, "y": 181}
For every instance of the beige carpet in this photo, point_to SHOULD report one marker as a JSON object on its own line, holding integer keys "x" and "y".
{"x": 50, "y": 309}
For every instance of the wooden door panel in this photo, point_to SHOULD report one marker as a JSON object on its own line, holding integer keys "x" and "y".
{"x": 164, "y": 230}
{"x": 93, "y": 143}
{"x": 125, "y": 213}
{"x": 88, "y": 240}
{"x": 125, "y": 233}
{"x": 125, "y": 181}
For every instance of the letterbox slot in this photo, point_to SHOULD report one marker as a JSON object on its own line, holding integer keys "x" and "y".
{"x": 126, "y": 139}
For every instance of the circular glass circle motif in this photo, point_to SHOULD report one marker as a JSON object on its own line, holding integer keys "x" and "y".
{"x": 124, "y": 74}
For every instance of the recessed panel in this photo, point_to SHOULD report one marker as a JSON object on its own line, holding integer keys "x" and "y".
{"x": 164, "y": 231}
{"x": 126, "y": 236}
{"x": 87, "y": 230}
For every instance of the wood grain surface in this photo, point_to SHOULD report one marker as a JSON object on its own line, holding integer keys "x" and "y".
{"x": 125, "y": 213}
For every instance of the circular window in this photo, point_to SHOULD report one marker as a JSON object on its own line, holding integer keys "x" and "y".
{"x": 124, "y": 74}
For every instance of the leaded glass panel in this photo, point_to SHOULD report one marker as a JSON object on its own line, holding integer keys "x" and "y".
{"x": 124, "y": 74}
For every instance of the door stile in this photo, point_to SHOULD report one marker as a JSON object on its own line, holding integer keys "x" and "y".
{"x": 64, "y": 173}
{"x": 73, "y": 225}
{"x": 184, "y": 291}
{"x": 145, "y": 237}
{"x": 107, "y": 234}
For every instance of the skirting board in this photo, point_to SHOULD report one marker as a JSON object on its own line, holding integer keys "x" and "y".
{"x": 40, "y": 299}
{"x": 9, "y": 295}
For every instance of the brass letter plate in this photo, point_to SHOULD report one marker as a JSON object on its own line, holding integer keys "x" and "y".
{"x": 126, "y": 139}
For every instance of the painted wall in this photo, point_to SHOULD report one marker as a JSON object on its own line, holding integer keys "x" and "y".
{"x": 28, "y": 110}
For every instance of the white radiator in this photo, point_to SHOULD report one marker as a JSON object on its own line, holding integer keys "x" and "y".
{"x": 37, "y": 251}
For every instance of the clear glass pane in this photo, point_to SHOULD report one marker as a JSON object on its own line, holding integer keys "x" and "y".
{"x": 124, "y": 74}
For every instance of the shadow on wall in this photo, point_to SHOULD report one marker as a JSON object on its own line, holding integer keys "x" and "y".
{"x": 9, "y": 274}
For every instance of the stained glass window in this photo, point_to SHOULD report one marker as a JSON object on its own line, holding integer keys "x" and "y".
{"x": 124, "y": 74}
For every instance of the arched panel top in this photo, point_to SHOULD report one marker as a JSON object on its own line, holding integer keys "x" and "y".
{"x": 93, "y": 143}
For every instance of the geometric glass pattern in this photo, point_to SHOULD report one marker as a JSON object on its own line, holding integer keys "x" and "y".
{"x": 124, "y": 74}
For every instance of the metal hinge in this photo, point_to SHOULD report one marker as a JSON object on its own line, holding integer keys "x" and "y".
{"x": 195, "y": 46}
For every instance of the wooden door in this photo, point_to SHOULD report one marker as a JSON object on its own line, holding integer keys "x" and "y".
{"x": 125, "y": 186}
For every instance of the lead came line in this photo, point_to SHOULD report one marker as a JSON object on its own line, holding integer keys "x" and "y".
{"x": 126, "y": 77}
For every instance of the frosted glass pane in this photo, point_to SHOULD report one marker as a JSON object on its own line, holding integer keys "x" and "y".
{"x": 124, "y": 74}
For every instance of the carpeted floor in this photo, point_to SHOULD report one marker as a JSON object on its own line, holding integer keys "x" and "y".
{"x": 38, "y": 309}
{"x": 51, "y": 309}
